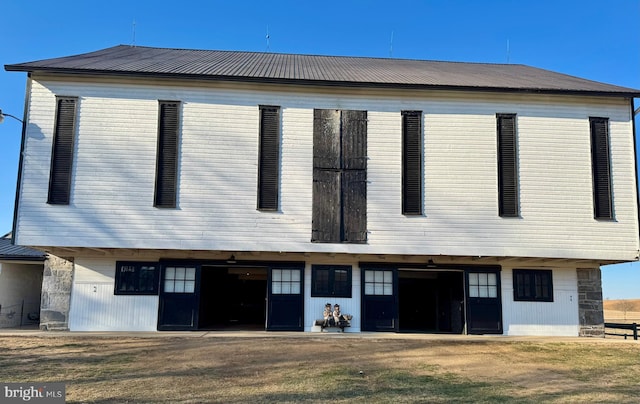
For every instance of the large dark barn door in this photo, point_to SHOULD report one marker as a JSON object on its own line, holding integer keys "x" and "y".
{"x": 484, "y": 303}
{"x": 379, "y": 300}
{"x": 179, "y": 297}
{"x": 285, "y": 300}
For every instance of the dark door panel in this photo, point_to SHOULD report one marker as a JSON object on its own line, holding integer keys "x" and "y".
{"x": 379, "y": 300}
{"x": 484, "y": 302}
{"x": 286, "y": 299}
{"x": 378, "y": 315}
{"x": 179, "y": 297}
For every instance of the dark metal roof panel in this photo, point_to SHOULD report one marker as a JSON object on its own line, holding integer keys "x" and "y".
{"x": 310, "y": 69}
{"x": 8, "y": 251}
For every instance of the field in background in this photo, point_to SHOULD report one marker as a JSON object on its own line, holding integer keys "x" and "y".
{"x": 325, "y": 368}
{"x": 622, "y": 311}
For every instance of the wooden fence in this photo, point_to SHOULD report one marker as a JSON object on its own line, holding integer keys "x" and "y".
{"x": 622, "y": 326}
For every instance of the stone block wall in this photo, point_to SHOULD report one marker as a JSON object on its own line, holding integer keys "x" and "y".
{"x": 590, "y": 306}
{"x": 56, "y": 294}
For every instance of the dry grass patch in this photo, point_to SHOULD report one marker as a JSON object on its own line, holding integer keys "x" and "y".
{"x": 332, "y": 368}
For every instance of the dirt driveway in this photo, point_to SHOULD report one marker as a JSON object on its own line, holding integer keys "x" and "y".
{"x": 266, "y": 367}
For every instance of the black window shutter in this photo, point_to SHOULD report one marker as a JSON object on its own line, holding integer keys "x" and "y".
{"x": 412, "y": 162}
{"x": 601, "y": 168}
{"x": 326, "y": 212}
{"x": 354, "y": 176}
{"x": 268, "y": 168}
{"x": 507, "y": 165}
{"x": 62, "y": 151}
{"x": 354, "y": 140}
{"x": 354, "y": 202}
{"x": 326, "y": 139}
{"x": 339, "y": 176}
{"x": 167, "y": 155}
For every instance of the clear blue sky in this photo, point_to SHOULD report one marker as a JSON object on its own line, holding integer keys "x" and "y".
{"x": 597, "y": 40}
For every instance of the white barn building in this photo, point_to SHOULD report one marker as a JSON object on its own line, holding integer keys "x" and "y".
{"x": 208, "y": 190}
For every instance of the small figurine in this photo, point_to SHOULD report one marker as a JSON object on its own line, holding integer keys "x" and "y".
{"x": 336, "y": 314}
{"x": 327, "y": 314}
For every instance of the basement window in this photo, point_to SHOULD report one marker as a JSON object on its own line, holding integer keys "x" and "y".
{"x": 532, "y": 285}
{"x": 136, "y": 278}
{"x": 331, "y": 281}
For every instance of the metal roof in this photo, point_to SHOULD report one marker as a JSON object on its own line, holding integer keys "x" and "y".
{"x": 10, "y": 252}
{"x": 319, "y": 70}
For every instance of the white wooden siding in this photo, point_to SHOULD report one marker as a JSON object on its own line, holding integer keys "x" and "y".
{"x": 557, "y": 318}
{"x": 114, "y": 168}
{"x": 95, "y": 307}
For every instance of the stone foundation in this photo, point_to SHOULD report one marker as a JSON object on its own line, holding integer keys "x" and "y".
{"x": 56, "y": 294}
{"x": 590, "y": 307}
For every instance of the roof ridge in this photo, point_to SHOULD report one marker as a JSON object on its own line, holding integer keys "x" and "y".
{"x": 322, "y": 55}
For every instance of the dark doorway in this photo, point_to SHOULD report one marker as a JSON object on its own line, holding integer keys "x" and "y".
{"x": 232, "y": 298}
{"x": 286, "y": 298}
{"x": 430, "y": 301}
{"x": 379, "y": 300}
{"x": 484, "y": 302}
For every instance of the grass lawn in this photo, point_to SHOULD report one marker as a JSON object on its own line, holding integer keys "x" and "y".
{"x": 325, "y": 368}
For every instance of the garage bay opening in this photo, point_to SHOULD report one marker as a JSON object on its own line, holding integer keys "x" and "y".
{"x": 233, "y": 298}
{"x": 431, "y": 301}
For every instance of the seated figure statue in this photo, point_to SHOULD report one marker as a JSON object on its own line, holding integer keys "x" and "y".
{"x": 327, "y": 314}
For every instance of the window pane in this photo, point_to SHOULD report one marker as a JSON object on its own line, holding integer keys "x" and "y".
{"x": 295, "y": 275}
{"x": 170, "y": 273}
{"x": 191, "y": 274}
{"x": 378, "y": 289}
{"x": 491, "y": 279}
{"x": 179, "y": 273}
{"x": 286, "y": 275}
{"x": 369, "y": 276}
{"x": 388, "y": 277}
{"x": 189, "y": 286}
{"x": 482, "y": 279}
{"x": 368, "y": 288}
{"x": 146, "y": 279}
{"x": 295, "y": 288}
{"x": 179, "y": 285}
{"x": 493, "y": 291}
{"x": 473, "y": 291}
{"x": 379, "y": 276}
{"x": 168, "y": 286}
{"x": 286, "y": 288}
{"x": 473, "y": 279}
{"x": 388, "y": 289}
{"x": 484, "y": 292}
{"x": 276, "y": 288}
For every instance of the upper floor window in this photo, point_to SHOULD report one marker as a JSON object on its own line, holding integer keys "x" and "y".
{"x": 534, "y": 285}
{"x": 507, "y": 165}
{"x": 62, "y": 151}
{"x": 601, "y": 168}
{"x": 339, "y": 212}
{"x": 412, "y": 162}
{"x": 136, "y": 278}
{"x": 269, "y": 160}
{"x": 331, "y": 281}
{"x": 167, "y": 154}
